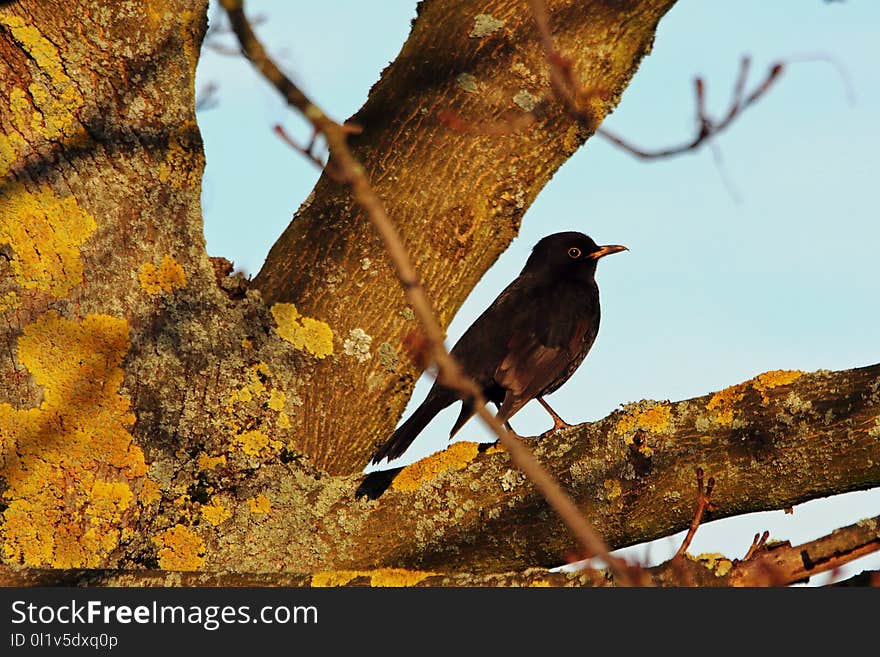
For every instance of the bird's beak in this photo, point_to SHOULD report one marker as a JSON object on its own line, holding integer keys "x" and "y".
{"x": 608, "y": 249}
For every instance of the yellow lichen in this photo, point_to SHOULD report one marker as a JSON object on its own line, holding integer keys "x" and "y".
{"x": 653, "y": 420}
{"x": 612, "y": 486}
{"x": 167, "y": 277}
{"x": 179, "y": 160}
{"x": 150, "y": 492}
{"x": 45, "y": 234}
{"x": 55, "y": 97}
{"x": 207, "y": 463}
{"x": 283, "y": 421}
{"x": 332, "y": 578}
{"x": 277, "y": 400}
{"x": 180, "y": 549}
{"x": 722, "y": 404}
{"x": 540, "y": 583}
{"x": 244, "y": 394}
{"x": 254, "y": 387}
{"x": 773, "y": 379}
{"x": 253, "y": 442}
{"x": 455, "y": 457}
{"x": 8, "y": 301}
{"x": 215, "y": 512}
{"x": 70, "y": 465}
{"x": 380, "y": 577}
{"x": 304, "y": 333}
{"x": 717, "y": 563}
{"x": 259, "y": 504}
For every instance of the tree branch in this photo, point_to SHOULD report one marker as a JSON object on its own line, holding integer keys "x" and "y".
{"x": 778, "y": 564}
{"x": 572, "y": 96}
{"x": 772, "y": 442}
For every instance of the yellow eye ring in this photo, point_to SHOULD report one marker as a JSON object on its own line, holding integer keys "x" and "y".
{"x": 574, "y": 252}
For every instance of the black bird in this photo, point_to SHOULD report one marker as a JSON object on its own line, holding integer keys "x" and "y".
{"x": 528, "y": 342}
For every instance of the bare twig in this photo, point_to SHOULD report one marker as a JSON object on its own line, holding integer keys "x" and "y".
{"x": 703, "y": 505}
{"x": 707, "y": 128}
{"x": 568, "y": 92}
{"x": 206, "y": 97}
{"x": 450, "y": 373}
{"x": 758, "y": 542}
{"x": 307, "y": 151}
{"x": 788, "y": 564}
{"x": 562, "y": 79}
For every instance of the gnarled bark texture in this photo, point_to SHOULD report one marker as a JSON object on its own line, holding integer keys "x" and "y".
{"x": 155, "y": 414}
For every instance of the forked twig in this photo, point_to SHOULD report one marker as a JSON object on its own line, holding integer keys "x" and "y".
{"x": 450, "y": 373}
{"x": 567, "y": 91}
{"x": 707, "y": 128}
{"x": 758, "y": 542}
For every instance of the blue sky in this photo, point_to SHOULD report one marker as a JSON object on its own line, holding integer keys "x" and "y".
{"x": 775, "y": 269}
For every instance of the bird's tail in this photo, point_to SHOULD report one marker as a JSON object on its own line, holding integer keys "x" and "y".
{"x": 406, "y": 433}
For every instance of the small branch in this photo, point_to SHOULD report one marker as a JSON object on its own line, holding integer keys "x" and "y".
{"x": 758, "y": 543}
{"x": 568, "y": 92}
{"x": 450, "y": 374}
{"x": 780, "y": 563}
{"x": 703, "y": 505}
{"x": 207, "y": 97}
{"x": 307, "y": 151}
{"x": 707, "y": 128}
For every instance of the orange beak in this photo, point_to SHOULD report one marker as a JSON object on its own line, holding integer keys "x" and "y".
{"x": 608, "y": 249}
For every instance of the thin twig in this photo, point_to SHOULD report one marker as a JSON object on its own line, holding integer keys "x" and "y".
{"x": 782, "y": 563}
{"x": 450, "y": 372}
{"x": 207, "y": 97}
{"x": 758, "y": 542}
{"x": 707, "y": 128}
{"x": 560, "y": 69}
{"x": 568, "y": 92}
{"x": 703, "y": 505}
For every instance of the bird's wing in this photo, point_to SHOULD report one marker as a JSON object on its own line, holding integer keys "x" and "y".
{"x": 531, "y": 365}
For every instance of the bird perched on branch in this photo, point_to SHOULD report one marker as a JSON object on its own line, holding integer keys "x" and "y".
{"x": 528, "y": 342}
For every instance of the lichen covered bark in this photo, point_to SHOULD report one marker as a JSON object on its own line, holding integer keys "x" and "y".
{"x": 120, "y": 353}
{"x": 789, "y": 437}
{"x": 784, "y": 438}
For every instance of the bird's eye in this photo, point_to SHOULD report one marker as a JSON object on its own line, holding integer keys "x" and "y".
{"x": 574, "y": 252}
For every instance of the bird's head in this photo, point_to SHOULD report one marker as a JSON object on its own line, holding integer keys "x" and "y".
{"x": 569, "y": 254}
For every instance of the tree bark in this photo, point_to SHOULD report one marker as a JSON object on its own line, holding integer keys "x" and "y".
{"x": 772, "y": 442}
{"x": 773, "y": 564}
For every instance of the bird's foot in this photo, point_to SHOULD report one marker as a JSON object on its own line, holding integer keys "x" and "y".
{"x": 558, "y": 422}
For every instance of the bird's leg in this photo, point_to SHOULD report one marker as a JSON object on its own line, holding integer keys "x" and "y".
{"x": 558, "y": 422}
